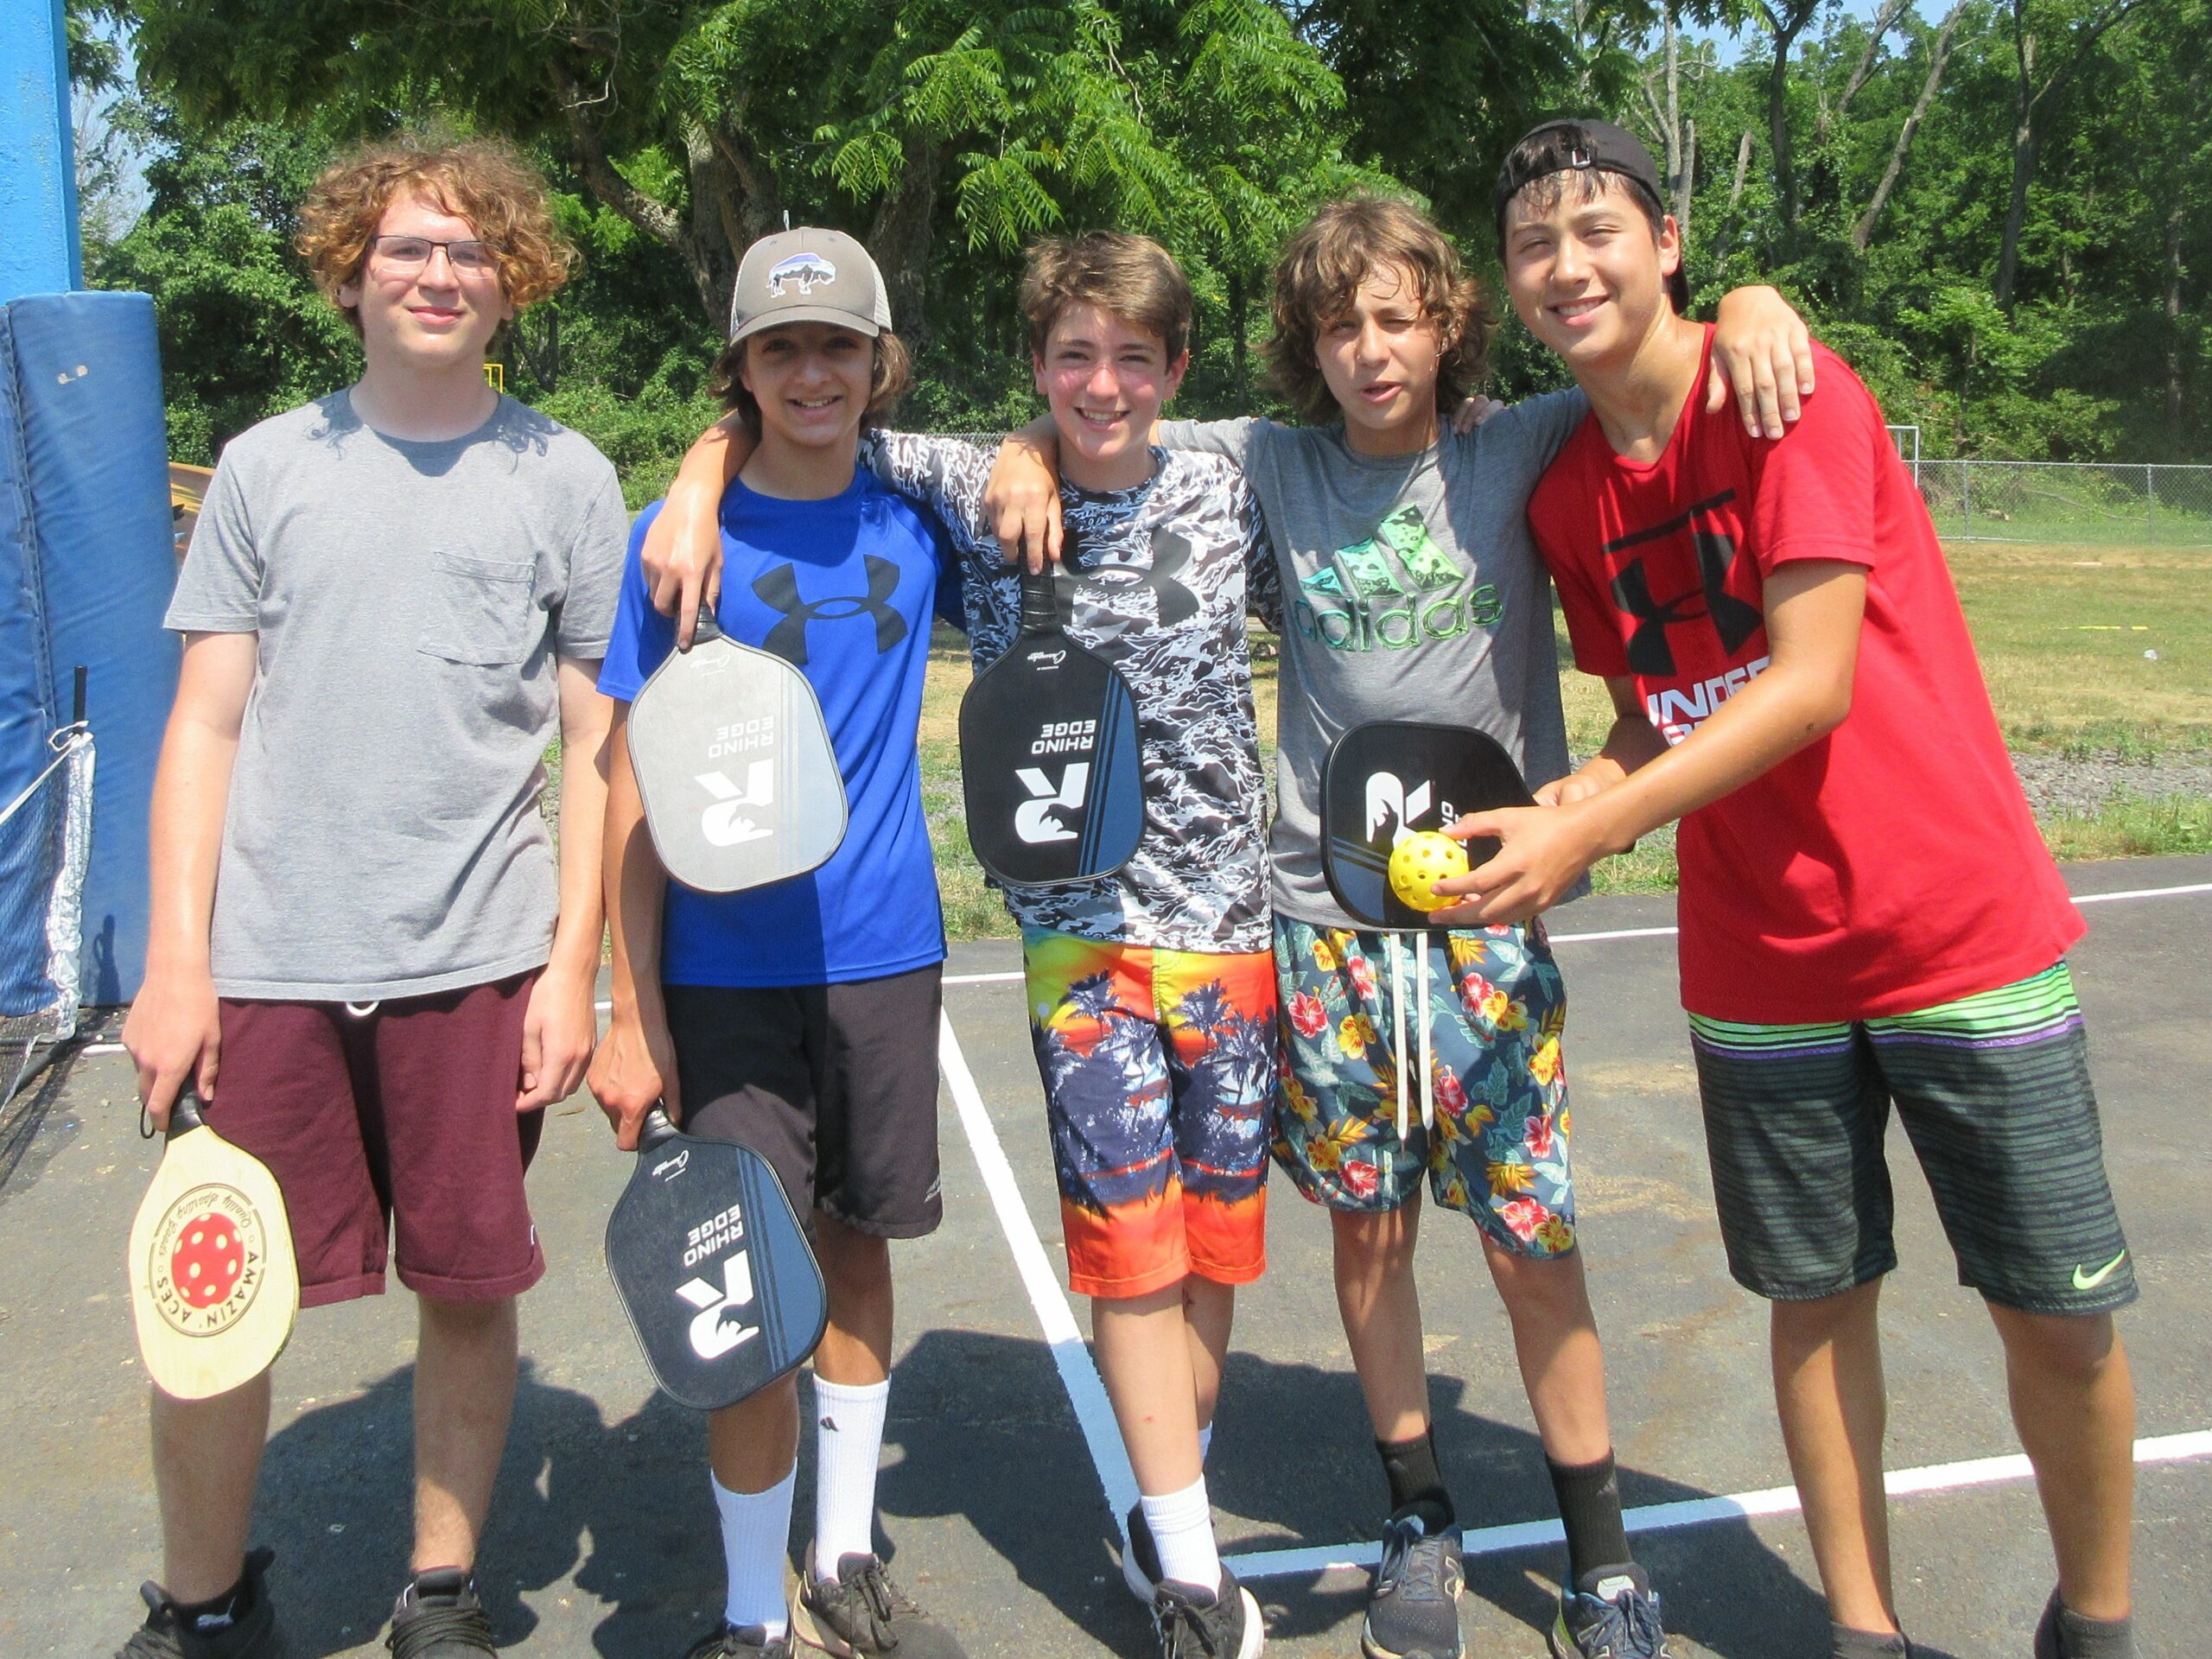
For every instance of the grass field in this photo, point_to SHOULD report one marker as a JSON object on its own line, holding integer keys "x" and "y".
{"x": 2087, "y": 650}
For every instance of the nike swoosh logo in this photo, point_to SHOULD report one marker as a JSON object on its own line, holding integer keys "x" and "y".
{"x": 2091, "y": 1280}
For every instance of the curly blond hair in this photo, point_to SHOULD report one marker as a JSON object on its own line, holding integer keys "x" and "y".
{"x": 1320, "y": 271}
{"x": 482, "y": 181}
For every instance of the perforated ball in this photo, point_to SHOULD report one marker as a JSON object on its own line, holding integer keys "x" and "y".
{"x": 1420, "y": 861}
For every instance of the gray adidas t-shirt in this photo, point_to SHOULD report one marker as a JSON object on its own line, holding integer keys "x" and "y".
{"x": 383, "y": 837}
{"x": 1411, "y": 590}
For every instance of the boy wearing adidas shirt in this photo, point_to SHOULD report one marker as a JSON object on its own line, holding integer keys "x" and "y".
{"x": 1868, "y": 914}
{"x": 1151, "y": 993}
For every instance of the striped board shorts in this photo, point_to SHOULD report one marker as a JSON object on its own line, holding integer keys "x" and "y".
{"x": 1993, "y": 1090}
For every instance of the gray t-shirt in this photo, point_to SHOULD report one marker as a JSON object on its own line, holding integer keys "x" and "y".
{"x": 383, "y": 837}
{"x": 1411, "y": 591}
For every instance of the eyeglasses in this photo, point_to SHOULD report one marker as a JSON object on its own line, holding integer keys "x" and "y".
{"x": 407, "y": 254}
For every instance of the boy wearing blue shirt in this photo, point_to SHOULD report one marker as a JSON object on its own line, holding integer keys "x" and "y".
{"x": 801, "y": 1019}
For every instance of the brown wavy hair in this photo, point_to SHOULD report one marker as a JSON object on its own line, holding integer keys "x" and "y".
{"x": 893, "y": 372}
{"x": 1320, "y": 271}
{"x": 483, "y": 181}
{"x": 1131, "y": 276}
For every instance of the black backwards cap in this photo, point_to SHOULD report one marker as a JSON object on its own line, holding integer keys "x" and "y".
{"x": 1574, "y": 146}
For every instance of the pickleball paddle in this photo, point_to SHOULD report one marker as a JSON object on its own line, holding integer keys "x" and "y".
{"x": 214, "y": 1288}
{"x": 713, "y": 1269}
{"x": 1049, "y": 763}
{"x": 740, "y": 784}
{"x": 1389, "y": 778}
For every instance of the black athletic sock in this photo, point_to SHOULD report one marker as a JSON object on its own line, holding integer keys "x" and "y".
{"x": 2089, "y": 1639}
{"x": 217, "y": 1613}
{"x": 1415, "y": 1481}
{"x": 1844, "y": 1643}
{"x": 1590, "y": 1507}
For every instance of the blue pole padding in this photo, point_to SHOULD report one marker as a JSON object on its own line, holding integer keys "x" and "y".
{"x": 39, "y": 249}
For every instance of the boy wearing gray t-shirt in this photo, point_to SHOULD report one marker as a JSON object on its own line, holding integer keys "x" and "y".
{"x": 366, "y": 953}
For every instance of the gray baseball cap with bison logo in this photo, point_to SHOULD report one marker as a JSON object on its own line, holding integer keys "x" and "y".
{"x": 808, "y": 276}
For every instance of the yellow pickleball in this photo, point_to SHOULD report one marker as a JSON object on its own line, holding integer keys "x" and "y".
{"x": 1420, "y": 861}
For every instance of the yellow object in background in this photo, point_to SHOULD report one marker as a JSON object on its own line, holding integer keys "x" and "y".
{"x": 1420, "y": 861}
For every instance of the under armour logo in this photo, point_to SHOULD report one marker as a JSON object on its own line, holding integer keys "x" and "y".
{"x": 779, "y": 590}
{"x": 718, "y": 1326}
{"x": 1170, "y": 551}
{"x": 1733, "y": 620}
{"x": 726, "y": 823}
{"x": 1034, "y": 820}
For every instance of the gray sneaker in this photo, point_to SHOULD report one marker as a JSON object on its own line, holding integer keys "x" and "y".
{"x": 253, "y": 1635}
{"x": 1413, "y": 1611}
{"x": 1619, "y": 1621}
{"x": 864, "y": 1615}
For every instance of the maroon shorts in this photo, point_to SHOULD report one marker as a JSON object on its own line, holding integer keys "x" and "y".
{"x": 396, "y": 1121}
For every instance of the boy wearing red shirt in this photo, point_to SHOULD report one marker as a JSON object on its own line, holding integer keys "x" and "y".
{"x": 1868, "y": 914}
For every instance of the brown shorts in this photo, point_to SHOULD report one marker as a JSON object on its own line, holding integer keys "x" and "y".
{"x": 834, "y": 1085}
{"x": 399, "y": 1121}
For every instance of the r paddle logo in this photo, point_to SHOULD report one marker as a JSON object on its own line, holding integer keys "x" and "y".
{"x": 713, "y": 1269}
{"x": 214, "y": 1289}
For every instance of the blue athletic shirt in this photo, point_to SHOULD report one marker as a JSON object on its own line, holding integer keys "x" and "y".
{"x": 844, "y": 588}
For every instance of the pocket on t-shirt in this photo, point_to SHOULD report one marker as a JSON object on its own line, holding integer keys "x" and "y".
{"x": 482, "y": 611}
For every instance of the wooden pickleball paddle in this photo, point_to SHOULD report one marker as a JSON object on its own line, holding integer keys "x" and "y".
{"x": 713, "y": 1269}
{"x": 1049, "y": 764}
{"x": 1387, "y": 779}
{"x": 214, "y": 1289}
{"x": 733, "y": 764}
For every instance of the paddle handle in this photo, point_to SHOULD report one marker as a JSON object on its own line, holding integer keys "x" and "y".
{"x": 656, "y": 1129}
{"x": 708, "y": 625}
{"x": 1040, "y": 610}
{"x": 184, "y": 1113}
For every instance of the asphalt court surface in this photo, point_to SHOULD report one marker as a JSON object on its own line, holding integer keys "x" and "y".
{"x": 995, "y": 1508}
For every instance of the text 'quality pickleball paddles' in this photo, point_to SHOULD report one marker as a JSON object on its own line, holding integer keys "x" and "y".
{"x": 1390, "y": 779}
{"x": 740, "y": 784}
{"x": 214, "y": 1289}
{"x": 1049, "y": 764}
{"x": 713, "y": 1269}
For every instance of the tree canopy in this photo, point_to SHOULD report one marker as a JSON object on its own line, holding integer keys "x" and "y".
{"x": 1992, "y": 208}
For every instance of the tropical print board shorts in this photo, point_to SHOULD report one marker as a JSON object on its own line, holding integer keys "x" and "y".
{"x": 1495, "y": 1146}
{"x": 1159, "y": 1075}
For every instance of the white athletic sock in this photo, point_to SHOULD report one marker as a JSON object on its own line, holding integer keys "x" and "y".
{"x": 1205, "y": 1444}
{"x": 756, "y": 1533}
{"x": 1182, "y": 1527}
{"x": 848, "y": 1446}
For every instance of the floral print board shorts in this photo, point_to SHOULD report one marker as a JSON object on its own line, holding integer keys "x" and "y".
{"x": 1493, "y": 1133}
{"x": 1159, "y": 1081}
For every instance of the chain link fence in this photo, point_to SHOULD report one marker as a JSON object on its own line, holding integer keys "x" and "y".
{"x": 2110, "y": 502}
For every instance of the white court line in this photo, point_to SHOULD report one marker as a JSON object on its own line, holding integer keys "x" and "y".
{"x": 1702, "y": 1511}
{"x": 1094, "y": 1413}
{"x": 982, "y": 979}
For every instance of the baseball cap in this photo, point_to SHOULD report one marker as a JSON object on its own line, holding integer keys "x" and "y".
{"x": 1579, "y": 146}
{"x": 808, "y": 276}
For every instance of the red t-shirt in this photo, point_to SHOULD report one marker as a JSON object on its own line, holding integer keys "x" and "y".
{"x": 1892, "y": 864}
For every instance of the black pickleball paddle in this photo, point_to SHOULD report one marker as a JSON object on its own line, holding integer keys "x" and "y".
{"x": 1387, "y": 779}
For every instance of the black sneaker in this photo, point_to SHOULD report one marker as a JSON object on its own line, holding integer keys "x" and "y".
{"x": 1140, "y": 1557}
{"x": 1413, "y": 1612}
{"x": 1617, "y": 1618}
{"x": 438, "y": 1617}
{"x": 253, "y": 1635}
{"x": 1193, "y": 1624}
{"x": 863, "y": 1614}
{"x": 740, "y": 1642}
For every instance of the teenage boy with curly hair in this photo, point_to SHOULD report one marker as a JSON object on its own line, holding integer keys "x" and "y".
{"x": 364, "y": 951}
{"x": 1787, "y": 655}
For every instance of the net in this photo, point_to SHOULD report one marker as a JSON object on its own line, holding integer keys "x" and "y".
{"x": 46, "y": 841}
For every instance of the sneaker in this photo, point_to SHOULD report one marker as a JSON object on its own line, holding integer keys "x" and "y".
{"x": 1620, "y": 1620}
{"x": 254, "y": 1634}
{"x": 740, "y": 1642}
{"x": 1140, "y": 1557}
{"x": 1193, "y": 1624}
{"x": 438, "y": 1617}
{"x": 1413, "y": 1612}
{"x": 864, "y": 1614}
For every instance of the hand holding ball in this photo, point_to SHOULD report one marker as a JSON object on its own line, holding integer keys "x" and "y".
{"x": 1420, "y": 861}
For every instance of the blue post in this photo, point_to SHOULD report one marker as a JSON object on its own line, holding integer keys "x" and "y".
{"x": 39, "y": 250}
